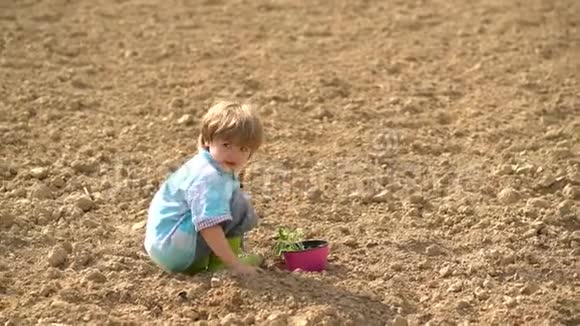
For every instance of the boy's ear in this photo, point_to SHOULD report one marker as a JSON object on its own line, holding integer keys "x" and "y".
{"x": 202, "y": 143}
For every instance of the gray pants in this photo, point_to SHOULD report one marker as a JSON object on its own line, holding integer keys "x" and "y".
{"x": 244, "y": 219}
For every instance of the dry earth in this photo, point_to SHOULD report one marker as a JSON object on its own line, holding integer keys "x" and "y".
{"x": 434, "y": 143}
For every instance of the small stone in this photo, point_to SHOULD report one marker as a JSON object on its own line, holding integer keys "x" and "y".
{"x": 300, "y": 320}
{"x": 508, "y": 259}
{"x": 538, "y": 226}
{"x": 508, "y": 196}
{"x": 109, "y": 132}
{"x": 538, "y": 202}
{"x": 82, "y": 167}
{"x": 470, "y": 270}
{"x": 267, "y": 111}
{"x": 547, "y": 180}
{"x": 58, "y": 182}
{"x": 529, "y": 289}
{"x": 553, "y": 134}
{"x": 314, "y": 194}
{"x": 383, "y": 180}
{"x": 564, "y": 238}
{"x": 510, "y": 302}
{"x": 85, "y": 203}
{"x": 277, "y": 318}
{"x": 571, "y": 192}
{"x": 397, "y": 267}
{"x": 400, "y": 321}
{"x": 231, "y": 319}
{"x": 186, "y": 119}
{"x": 466, "y": 210}
{"x": 350, "y": 242}
{"x": 79, "y": 83}
{"x": 463, "y": 305}
{"x": 530, "y": 233}
{"x": 41, "y": 191}
{"x": 81, "y": 260}
{"x": 574, "y": 178}
{"x": 39, "y": 173}
{"x": 291, "y": 302}
{"x": 488, "y": 284}
{"x": 176, "y": 103}
{"x": 574, "y": 236}
{"x": 19, "y": 193}
{"x": 504, "y": 170}
{"x": 95, "y": 276}
{"x": 481, "y": 294}
{"x": 575, "y": 252}
{"x": 456, "y": 287}
{"x": 215, "y": 282}
{"x": 565, "y": 207}
{"x": 68, "y": 247}
{"x": 57, "y": 256}
{"x": 250, "y": 319}
{"x": 53, "y": 273}
{"x": 321, "y": 113}
{"x": 74, "y": 213}
{"x": 416, "y": 199}
{"x": 201, "y": 323}
{"x": 413, "y": 212}
{"x": 91, "y": 224}
{"x": 445, "y": 271}
{"x": 381, "y": 197}
{"x": 6, "y": 219}
{"x": 46, "y": 290}
{"x": 434, "y": 250}
{"x": 561, "y": 152}
{"x": 526, "y": 169}
{"x": 363, "y": 197}
{"x": 139, "y": 225}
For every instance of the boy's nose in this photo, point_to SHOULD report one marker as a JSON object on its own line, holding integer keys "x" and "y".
{"x": 238, "y": 153}
{"x": 235, "y": 155}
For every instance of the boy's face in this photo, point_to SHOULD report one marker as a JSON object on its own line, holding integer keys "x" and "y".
{"x": 230, "y": 156}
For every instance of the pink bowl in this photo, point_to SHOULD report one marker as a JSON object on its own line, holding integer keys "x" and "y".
{"x": 314, "y": 257}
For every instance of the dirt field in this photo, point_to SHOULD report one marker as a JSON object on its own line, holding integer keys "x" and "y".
{"x": 435, "y": 144}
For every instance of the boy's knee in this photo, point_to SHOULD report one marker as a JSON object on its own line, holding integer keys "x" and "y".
{"x": 251, "y": 220}
{"x": 240, "y": 204}
{"x": 243, "y": 211}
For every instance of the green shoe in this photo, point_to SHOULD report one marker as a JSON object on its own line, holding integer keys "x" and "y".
{"x": 251, "y": 259}
{"x": 216, "y": 264}
{"x": 197, "y": 267}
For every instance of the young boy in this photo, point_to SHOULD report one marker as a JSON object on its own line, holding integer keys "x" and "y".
{"x": 199, "y": 215}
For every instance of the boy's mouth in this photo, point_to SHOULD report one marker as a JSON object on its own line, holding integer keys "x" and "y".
{"x": 230, "y": 163}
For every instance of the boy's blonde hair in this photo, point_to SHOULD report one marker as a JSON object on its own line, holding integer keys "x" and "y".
{"x": 233, "y": 121}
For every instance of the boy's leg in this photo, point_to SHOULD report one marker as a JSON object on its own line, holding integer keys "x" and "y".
{"x": 198, "y": 266}
{"x": 201, "y": 261}
{"x": 244, "y": 217}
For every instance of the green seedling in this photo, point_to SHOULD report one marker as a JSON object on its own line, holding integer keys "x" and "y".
{"x": 288, "y": 240}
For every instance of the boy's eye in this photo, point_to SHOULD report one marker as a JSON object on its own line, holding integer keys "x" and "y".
{"x": 227, "y": 145}
{"x": 244, "y": 149}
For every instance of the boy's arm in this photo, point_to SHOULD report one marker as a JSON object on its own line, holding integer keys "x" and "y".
{"x": 216, "y": 240}
{"x": 210, "y": 207}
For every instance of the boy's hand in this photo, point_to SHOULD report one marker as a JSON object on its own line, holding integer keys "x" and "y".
{"x": 216, "y": 240}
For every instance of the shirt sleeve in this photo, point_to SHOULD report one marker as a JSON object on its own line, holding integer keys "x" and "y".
{"x": 209, "y": 202}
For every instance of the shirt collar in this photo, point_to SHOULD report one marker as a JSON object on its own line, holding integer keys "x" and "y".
{"x": 206, "y": 154}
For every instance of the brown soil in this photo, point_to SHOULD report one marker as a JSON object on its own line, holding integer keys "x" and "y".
{"x": 435, "y": 144}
